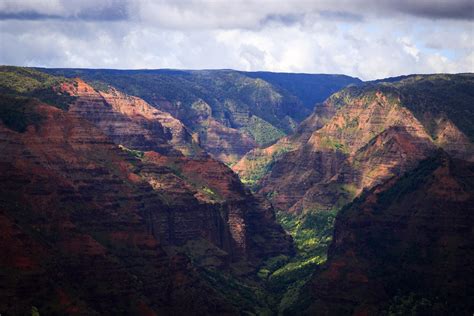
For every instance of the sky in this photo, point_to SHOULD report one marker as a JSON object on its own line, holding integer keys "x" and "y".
{"x": 369, "y": 39}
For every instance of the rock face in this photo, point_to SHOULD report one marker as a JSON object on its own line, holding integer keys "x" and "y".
{"x": 224, "y": 143}
{"x": 360, "y": 137}
{"x": 231, "y": 111}
{"x": 258, "y": 162}
{"x": 449, "y": 137}
{"x": 130, "y": 121}
{"x": 90, "y": 228}
{"x": 75, "y": 226}
{"x": 208, "y": 201}
{"x": 364, "y": 143}
{"x": 405, "y": 246}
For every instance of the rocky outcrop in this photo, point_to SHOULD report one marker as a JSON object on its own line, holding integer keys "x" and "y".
{"x": 208, "y": 201}
{"x": 364, "y": 143}
{"x": 258, "y": 162}
{"x": 356, "y": 123}
{"x": 358, "y": 138}
{"x": 451, "y": 139}
{"x": 130, "y": 121}
{"x": 405, "y": 246}
{"x": 189, "y": 186}
{"x": 224, "y": 143}
{"x": 101, "y": 230}
{"x": 176, "y": 133}
{"x": 75, "y": 225}
{"x": 232, "y": 111}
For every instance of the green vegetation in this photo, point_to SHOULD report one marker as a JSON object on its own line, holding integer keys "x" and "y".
{"x": 312, "y": 234}
{"x": 18, "y": 112}
{"x": 429, "y": 97}
{"x": 248, "y": 297}
{"x": 271, "y": 265}
{"x": 259, "y": 169}
{"x": 27, "y": 82}
{"x": 260, "y": 165}
{"x": 263, "y": 105}
{"x": 410, "y": 181}
{"x": 201, "y": 108}
{"x": 352, "y": 125}
{"x": 229, "y": 96}
{"x": 134, "y": 153}
{"x": 34, "y": 311}
{"x": 20, "y": 87}
{"x": 24, "y": 80}
{"x": 412, "y": 290}
{"x": 99, "y": 85}
{"x": 437, "y": 96}
{"x": 333, "y": 144}
{"x": 416, "y": 304}
{"x": 366, "y": 93}
{"x": 310, "y": 89}
{"x": 204, "y": 254}
{"x": 210, "y": 193}
{"x": 263, "y": 132}
{"x": 282, "y": 278}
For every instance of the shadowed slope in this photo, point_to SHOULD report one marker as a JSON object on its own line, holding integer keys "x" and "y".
{"x": 230, "y": 111}
{"x": 100, "y": 228}
{"x": 404, "y": 246}
{"x": 324, "y": 166}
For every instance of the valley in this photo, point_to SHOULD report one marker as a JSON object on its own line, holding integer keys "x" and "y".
{"x": 222, "y": 192}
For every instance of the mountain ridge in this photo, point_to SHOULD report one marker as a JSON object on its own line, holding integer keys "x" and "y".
{"x": 90, "y": 221}
{"x": 347, "y": 121}
{"x": 104, "y": 196}
{"x": 408, "y": 223}
{"x": 230, "y": 111}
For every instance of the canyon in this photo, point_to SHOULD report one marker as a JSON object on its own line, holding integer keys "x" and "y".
{"x": 230, "y": 112}
{"x": 359, "y": 137}
{"x": 74, "y": 198}
{"x": 219, "y": 192}
{"x": 405, "y": 246}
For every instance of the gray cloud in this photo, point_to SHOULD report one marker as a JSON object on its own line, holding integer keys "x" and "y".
{"x": 230, "y": 14}
{"x": 342, "y": 15}
{"x": 436, "y": 9}
{"x": 99, "y": 15}
{"x": 67, "y": 10}
{"x": 288, "y": 19}
{"x": 365, "y": 38}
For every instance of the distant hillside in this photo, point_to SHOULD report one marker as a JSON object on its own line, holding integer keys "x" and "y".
{"x": 361, "y": 136}
{"x": 111, "y": 205}
{"x": 403, "y": 248}
{"x": 309, "y": 88}
{"x": 231, "y": 112}
{"x": 440, "y": 96}
{"x": 108, "y": 206}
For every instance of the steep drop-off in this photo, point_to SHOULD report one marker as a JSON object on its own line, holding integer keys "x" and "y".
{"x": 360, "y": 137}
{"x": 102, "y": 214}
{"x": 231, "y": 112}
{"x": 404, "y": 247}
{"x": 130, "y": 121}
{"x": 109, "y": 204}
{"x": 76, "y": 235}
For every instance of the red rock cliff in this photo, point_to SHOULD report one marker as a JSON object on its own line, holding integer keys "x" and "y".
{"x": 408, "y": 240}
{"x": 90, "y": 225}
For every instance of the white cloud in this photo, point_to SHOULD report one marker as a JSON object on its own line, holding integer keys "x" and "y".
{"x": 271, "y": 35}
